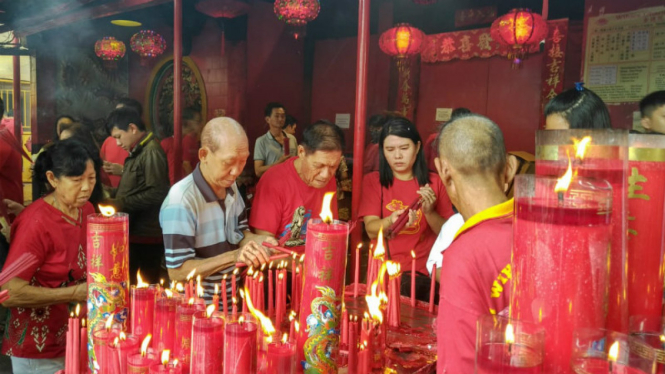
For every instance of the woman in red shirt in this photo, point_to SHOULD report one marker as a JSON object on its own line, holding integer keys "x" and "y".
{"x": 402, "y": 179}
{"x": 52, "y": 228}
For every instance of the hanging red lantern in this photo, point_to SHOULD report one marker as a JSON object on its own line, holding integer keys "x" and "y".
{"x": 519, "y": 29}
{"x": 402, "y": 41}
{"x": 110, "y": 50}
{"x": 223, "y": 9}
{"x": 297, "y": 13}
{"x": 147, "y": 44}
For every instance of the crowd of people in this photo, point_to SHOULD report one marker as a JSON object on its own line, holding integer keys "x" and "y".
{"x": 461, "y": 175}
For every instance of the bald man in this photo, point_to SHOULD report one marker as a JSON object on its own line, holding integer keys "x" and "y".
{"x": 475, "y": 271}
{"x": 204, "y": 219}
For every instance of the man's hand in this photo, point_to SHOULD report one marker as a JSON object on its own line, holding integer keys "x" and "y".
{"x": 111, "y": 168}
{"x": 254, "y": 254}
{"x": 13, "y": 207}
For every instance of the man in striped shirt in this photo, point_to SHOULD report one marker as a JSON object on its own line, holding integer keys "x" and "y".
{"x": 204, "y": 219}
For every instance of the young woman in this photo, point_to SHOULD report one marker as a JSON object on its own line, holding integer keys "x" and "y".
{"x": 402, "y": 179}
{"x": 53, "y": 229}
{"x": 577, "y": 108}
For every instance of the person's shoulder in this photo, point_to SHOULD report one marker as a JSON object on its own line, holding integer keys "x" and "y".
{"x": 37, "y": 212}
{"x": 281, "y": 172}
{"x": 166, "y": 142}
{"x": 488, "y": 236}
{"x": 291, "y": 136}
{"x": 261, "y": 139}
{"x": 182, "y": 192}
{"x": 109, "y": 142}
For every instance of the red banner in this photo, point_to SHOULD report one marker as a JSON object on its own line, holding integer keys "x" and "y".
{"x": 475, "y": 16}
{"x": 554, "y": 60}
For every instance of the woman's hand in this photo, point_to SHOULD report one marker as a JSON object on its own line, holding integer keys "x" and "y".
{"x": 413, "y": 217}
{"x": 81, "y": 292}
{"x": 428, "y": 198}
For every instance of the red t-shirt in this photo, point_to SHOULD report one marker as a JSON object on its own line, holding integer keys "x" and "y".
{"x": 190, "y": 153}
{"x": 112, "y": 152}
{"x": 371, "y": 161}
{"x": 279, "y": 193}
{"x": 60, "y": 247}
{"x": 475, "y": 278}
{"x": 11, "y": 168}
{"x": 420, "y": 236}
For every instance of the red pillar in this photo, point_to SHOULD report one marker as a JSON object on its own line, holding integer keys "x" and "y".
{"x": 17, "y": 97}
{"x": 177, "y": 89}
{"x": 360, "y": 115}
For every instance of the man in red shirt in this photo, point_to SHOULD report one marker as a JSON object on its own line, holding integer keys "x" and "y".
{"x": 476, "y": 271}
{"x": 11, "y": 183}
{"x": 299, "y": 182}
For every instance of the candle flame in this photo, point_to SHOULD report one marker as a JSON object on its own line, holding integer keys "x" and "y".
{"x": 115, "y": 342}
{"x": 266, "y": 324}
{"x": 109, "y": 322}
{"x": 234, "y": 300}
{"x": 297, "y": 270}
{"x": 510, "y": 334}
{"x": 374, "y": 304}
{"x": 191, "y": 274}
{"x": 165, "y": 356}
{"x": 563, "y": 183}
{"x": 122, "y": 336}
{"x": 662, "y": 338}
{"x": 296, "y": 326}
{"x": 241, "y": 319}
{"x": 161, "y": 282}
{"x": 263, "y": 266}
{"x": 209, "y": 310}
{"x": 175, "y": 362}
{"x": 236, "y": 271}
{"x": 393, "y": 269}
{"x": 413, "y": 254}
{"x": 139, "y": 281}
{"x": 190, "y": 301}
{"x": 326, "y": 213}
{"x": 261, "y": 277}
{"x": 168, "y": 293}
{"x": 145, "y": 344}
{"x": 285, "y": 338}
{"x": 302, "y": 257}
{"x": 581, "y": 146}
{"x": 250, "y": 271}
{"x": 216, "y": 289}
{"x": 106, "y": 210}
{"x": 380, "y": 250}
{"x": 256, "y": 275}
{"x": 292, "y": 315}
{"x": 359, "y": 246}
{"x": 78, "y": 309}
{"x": 613, "y": 354}
{"x": 281, "y": 276}
{"x": 270, "y": 265}
{"x": 83, "y": 322}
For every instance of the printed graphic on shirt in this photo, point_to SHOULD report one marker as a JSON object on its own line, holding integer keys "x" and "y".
{"x": 410, "y": 230}
{"x": 499, "y": 284}
{"x": 303, "y": 229}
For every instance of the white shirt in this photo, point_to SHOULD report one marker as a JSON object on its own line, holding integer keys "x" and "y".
{"x": 443, "y": 241}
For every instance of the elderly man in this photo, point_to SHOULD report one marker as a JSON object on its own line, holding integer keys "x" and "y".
{"x": 204, "y": 219}
{"x": 294, "y": 190}
{"x": 472, "y": 166}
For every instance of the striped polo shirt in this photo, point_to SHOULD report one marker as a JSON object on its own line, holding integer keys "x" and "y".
{"x": 198, "y": 225}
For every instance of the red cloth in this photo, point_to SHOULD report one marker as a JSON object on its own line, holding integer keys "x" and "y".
{"x": 60, "y": 249}
{"x": 11, "y": 169}
{"x": 279, "y": 193}
{"x": 474, "y": 281}
{"x": 112, "y": 152}
{"x": 190, "y": 153}
{"x": 420, "y": 236}
{"x": 371, "y": 161}
{"x": 430, "y": 152}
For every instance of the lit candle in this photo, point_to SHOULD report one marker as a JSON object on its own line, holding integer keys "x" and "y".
{"x": 432, "y": 289}
{"x": 364, "y": 359}
{"x": 189, "y": 289}
{"x": 234, "y": 311}
{"x": 183, "y": 332}
{"x": 224, "y": 296}
{"x": 279, "y": 307}
{"x": 271, "y": 301}
{"x": 166, "y": 367}
{"x": 240, "y": 338}
{"x": 357, "y": 271}
{"x": 77, "y": 342}
{"x": 140, "y": 363}
{"x": 125, "y": 346}
{"x": 233, "y": 283}
{"x": 368, "y": 276}
{"x": 345, "y": 325}
{"x": 260, "y": 294}
{"x": 164, "y": 321}
{"x": 293, "y": 279}
{"x": 281, "y": 357}
{"x": 215, "y": 298}
{"x": 142, "y": 308}
{"x": 393, "y": 294}
{"x": 413, "y": 279}
{"x": 69, "y": 345}
{"x": 207, "y": 342}
{"x": 353, "y": 346}
{"x": 101, "y": 340}
{"x": 83, "y": 350}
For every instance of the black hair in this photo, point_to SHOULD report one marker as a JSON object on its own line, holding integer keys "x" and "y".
{"x": 122, "y": 117}
{"x": 651, "y": 102}
{"x": 289, "y": 121}
{"x": 66, "y": 158}
{"x": 459, "y": 112}
{"x": 270, "y": 106}
{"x": 582, "y": 108}
{"x": 189, "y": 113}
{"x": 403, "y": 128}
{"x": 323, "y": 135}
{"x": 128, "y": 102}
{"x": 375, "y": 124}
{"x": 2, "y": 108}
{"x": 55, "y": 124}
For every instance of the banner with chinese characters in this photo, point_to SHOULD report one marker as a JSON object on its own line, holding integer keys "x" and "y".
{"x": 407, "y": 91}
{"x": 475, "y": 16}
{"x": 554, "y": 60}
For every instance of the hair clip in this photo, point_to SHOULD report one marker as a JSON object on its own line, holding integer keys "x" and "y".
{"x": 579, "y": 86}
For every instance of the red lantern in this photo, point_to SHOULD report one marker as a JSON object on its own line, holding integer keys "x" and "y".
{"x": 110, "y": 50}
{"x": 519, "y": 29}
{"x": 297, "y": 13}
{"x": 147, "y": 44}
{"x": 221, "y": 9}
{"x": 402, "y": 41}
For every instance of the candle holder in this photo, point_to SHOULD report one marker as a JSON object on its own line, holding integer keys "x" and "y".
{"x": 559, "y": 267}
{"x": 646, "y": 199}
{"x": 650, "y": 331}
{"x": 240, "y": 344}
{"x": 281, "y": 358}
{"x": 104, "y": 357}
{"x": 123, "y": 350}
{"x": 322, "y": 294}
{"x": 183, "y": 332}
{"x": 207, "y": 343}
{"x": 600, "y": 351}
{"x": 606, "y": 158}
{"x": 164, "y": 322}
{"x": 172, "y": 367}
{"x": 505, "y": 346}
{"x": 139, "y": 364}
{"x": 142, "y": 310}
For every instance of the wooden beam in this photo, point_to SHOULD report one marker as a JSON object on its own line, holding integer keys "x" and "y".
{"x": 29, "y": 26}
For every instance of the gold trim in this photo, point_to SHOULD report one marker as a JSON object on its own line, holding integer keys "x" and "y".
{"x": 552, "y": 152}
{"x": 646, "y": 154}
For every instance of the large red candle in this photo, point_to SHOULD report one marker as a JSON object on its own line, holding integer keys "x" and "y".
{"x": 101, "y": 340}
{"x": 323, "y": 285}
{"x": 127, "y": 346}
{"x": 599, "y": 351}
{"x": 240, "y": 345}
{"x": 140, "y": 363}
{"x": 108, "y": 270}
{"x": 606, "y": 157}
{"x": 353, "y": 346}
{"x": 646, "y": 198}
{"x": 281, "y": 358}
{"x": 164, "y": 322}
{"x": 559, "y": 265}
{"x": 170, "y": 368}
{"x": 183, "y": 332}
{"x": 207, "y": 343}
{"x": 142, "y": 310}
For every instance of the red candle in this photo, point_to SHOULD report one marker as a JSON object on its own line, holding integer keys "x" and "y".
{"x": 224, "y": 295}
{"x": 271, "y": 301}
{"x": 126, "y": 346}
{"x": 413, "y": 278}
{"x": 284, "y": 282}
{"x": 368, "y": 277}
{"x": 142, "y": 310}
{"x": 393, "y": 294}
{"x": 172, "y": 367}
{"x": 432, "y": 288}
{"x": 293, "y": 279}
{"x": 101, "y": 340}
{"x": 279, "y": 306}
{"x": 164, "y": 322}
{"x": 215, "y": 298}
{"x": 240, "y": 343}
{"x": 298, "y": 285}
{"x": 83, "y": 350}
{"x": 140, "y": 363}
{"x": 353, "y": 346}
{"x": 234, "y": 311}
{"x": 590, "y": 365}
{"x": 69, "y": 346}
{"x": 345, "y": 325}
{"x": 207, "y": 343}
{"x": 364, "y": 359}
{"x": 559, "y": 265}
{"x": 281, "y": 357}
{"x": 233, "y": 283}
{"x": 287, "y": 148}
{"x": 325, "y": 259}
{"x": 356, "y": 273}
{"x": 183, "y": 332}
{"x": 260, "y": 294}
